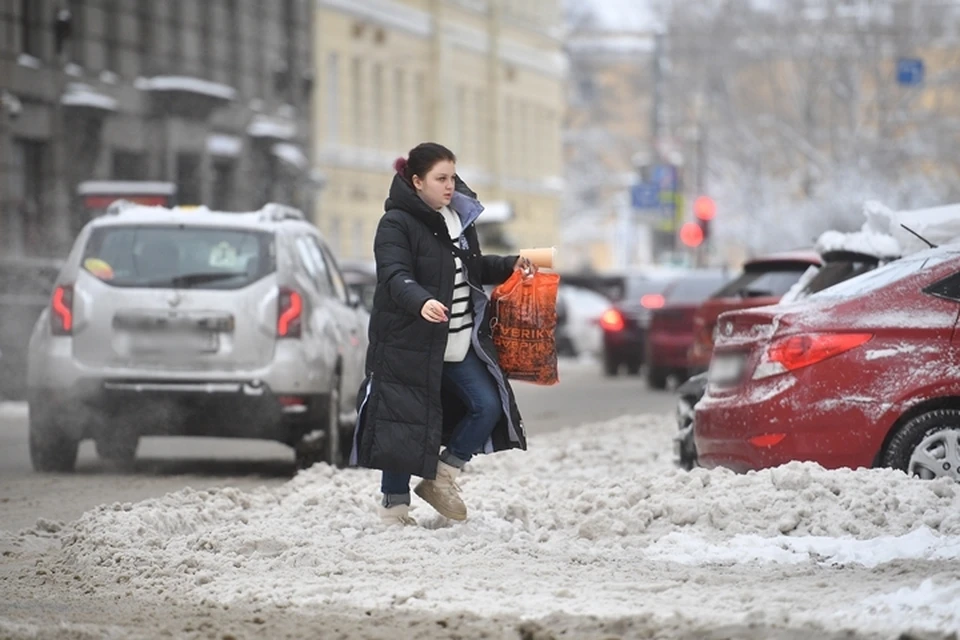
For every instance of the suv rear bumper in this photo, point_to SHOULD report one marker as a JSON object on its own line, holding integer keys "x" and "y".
{"x": 153, "y": 408}
{"x": 289, "y": 372}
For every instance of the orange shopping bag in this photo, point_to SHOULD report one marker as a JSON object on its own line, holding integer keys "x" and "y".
{"x": 524, "y": 325}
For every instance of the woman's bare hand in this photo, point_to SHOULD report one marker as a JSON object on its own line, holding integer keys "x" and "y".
{"x": 525, "y": 264}
{"x": 434, "y": 311}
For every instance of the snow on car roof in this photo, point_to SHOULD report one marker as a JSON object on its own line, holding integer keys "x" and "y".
{"x": 883, "y": 236}
{"x": 270, "y": 216}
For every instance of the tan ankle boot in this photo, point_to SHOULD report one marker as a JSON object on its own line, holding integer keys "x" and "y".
{"x": 443, "y": 494}
{"x": 398, "y": 514}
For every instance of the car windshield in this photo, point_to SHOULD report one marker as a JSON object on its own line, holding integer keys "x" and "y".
{"x": 762, "y": 282}
{"x": 693, "y": 290}
{"x": 179, "y": 257}
{"x": 882, "y": 276}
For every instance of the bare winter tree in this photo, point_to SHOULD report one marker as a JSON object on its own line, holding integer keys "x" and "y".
{"x": 804, "y": 114}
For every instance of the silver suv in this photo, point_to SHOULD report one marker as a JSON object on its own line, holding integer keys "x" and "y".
{"x": 199, "y": 323}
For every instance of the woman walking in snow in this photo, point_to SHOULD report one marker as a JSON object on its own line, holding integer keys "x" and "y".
{"x": 433, "y": 375}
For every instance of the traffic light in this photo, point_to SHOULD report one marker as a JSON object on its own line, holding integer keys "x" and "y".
{"x": 705, "y": 209}
{"x": 691, "y": 234}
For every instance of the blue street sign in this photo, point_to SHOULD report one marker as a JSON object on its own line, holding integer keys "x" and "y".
{"x": 665, "y": 177}
{"x": 644, "y": 196}
{"x": 909, "y": 71}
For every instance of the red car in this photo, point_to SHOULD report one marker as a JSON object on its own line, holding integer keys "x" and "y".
{"x": 670, "y": 333}
{"x": 865, "y": 373}
{"x": 763, "y": 282}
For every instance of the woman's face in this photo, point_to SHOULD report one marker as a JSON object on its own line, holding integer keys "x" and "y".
{"x": 436, "y": 188}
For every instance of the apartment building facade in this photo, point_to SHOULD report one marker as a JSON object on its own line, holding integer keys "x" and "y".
{"x": 208, "y": 102}
{"x": 484, "y": 77}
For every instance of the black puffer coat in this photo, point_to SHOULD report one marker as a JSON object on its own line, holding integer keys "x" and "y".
{"x": 403, "y": 418}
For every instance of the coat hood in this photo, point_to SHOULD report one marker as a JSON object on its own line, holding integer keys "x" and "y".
{"x": 404, "y": 197}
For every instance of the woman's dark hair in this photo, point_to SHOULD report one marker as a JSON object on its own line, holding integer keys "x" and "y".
{"x": 421, "y": 159}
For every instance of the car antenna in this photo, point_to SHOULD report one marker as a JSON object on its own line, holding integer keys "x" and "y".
{"x": 930, "y": 244}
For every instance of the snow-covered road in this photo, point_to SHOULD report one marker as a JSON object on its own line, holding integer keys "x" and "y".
{"x": 593, "y": 524}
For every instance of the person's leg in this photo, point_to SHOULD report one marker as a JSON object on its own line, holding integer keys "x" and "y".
{"x": 395, "y": 504}
{"x": 395, "y": 488}
{"x": 471, "y": 381}
{"x": 476, "y": 388}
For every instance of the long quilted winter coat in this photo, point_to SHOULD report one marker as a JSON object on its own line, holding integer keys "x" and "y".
{"x": 403, "y": 418}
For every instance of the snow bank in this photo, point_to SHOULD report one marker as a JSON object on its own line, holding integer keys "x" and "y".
{"x": 592, "y": 521}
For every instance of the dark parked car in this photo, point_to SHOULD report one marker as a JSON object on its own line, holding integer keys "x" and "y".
{"x": 626, "y": 322}
{"x": 25, "y": 288}
{"x": 862, "y": 374}
{"x": 837, "y": 267}
{"x": 670, "y": 333}
{"x": 763, "y": 281}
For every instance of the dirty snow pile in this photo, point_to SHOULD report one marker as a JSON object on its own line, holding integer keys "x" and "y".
{"x": 592, "y": 521}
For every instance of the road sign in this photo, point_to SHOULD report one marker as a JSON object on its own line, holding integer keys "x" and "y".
{"x": 909, "y": 71}
{"x": 644, "y": 196}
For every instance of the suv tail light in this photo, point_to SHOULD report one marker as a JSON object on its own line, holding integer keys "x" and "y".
{"x": 611, "y": 320}
{"x": 289, "y": 314}
{"x": 796, "y": 352}
{"x": 61, "y": 308}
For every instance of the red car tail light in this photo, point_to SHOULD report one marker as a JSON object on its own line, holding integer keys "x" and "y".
{"x": 612, "y": 320}
{"x": 289, "y": 314}
{"x": 767, "y": 440}
{"x": 652, "y": 301}
{"x": 61, "y": 307}
{"x": 796, "y": 352}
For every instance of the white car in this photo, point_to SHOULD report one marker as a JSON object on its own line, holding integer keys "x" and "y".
{"x": 193, "y": 322}
{"x": 581, "y": 308}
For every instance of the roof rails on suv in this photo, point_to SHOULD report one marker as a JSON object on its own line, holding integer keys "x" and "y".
{"x": 270, "y": 212}
{"x": 275, "y": 212}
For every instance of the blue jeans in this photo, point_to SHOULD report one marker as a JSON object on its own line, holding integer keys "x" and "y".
{"x": 474, "y": 385}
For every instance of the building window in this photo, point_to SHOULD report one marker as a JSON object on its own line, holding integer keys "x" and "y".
{"x": 420, "y": 115}
{"x": 33, "y": 216}
{"x": 235, "y": 63}
{"x": 357, "y": 106}
{"x": 206, "y": 38}
{"x": 399, "y": 108}
{"x": 259, "y": 71}
{"x": 30, "y": 28}
{"x": 112, "y": 35}
{"x": 145, "y": 37}
{"x": 175, "y": 29}
{"x": 483, "y": 129}
{"x": 359, "y": 239}
{"x": 335, "y": 240}
{"x": 128, "y": 165}
{"x": 223, "y": 172}
{"x": 78, "y": 31}
{"x": 333, "y": 98}
{"x": 290, "y": 30}
{"x": 189, "y": 179}
{"x": 377, "y": 104}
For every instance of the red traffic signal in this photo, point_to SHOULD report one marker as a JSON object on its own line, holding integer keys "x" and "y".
{"x": 691, "y": 234}
{"x": 704, "y": 208}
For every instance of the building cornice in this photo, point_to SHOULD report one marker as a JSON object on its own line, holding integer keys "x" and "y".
{"x": 394, "y": 15}
{"x": 386, "y": 13}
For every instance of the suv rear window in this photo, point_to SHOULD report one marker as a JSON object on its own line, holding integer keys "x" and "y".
{"x": 763, "y": 282}
{"x": 185, "y": 257}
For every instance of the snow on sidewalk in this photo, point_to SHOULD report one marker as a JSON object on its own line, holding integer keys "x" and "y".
{"x": 592, "y": 521}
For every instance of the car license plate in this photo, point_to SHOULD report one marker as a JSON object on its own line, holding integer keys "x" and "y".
{"x": 175, "y": 342}
{"x": 725, "y": 369}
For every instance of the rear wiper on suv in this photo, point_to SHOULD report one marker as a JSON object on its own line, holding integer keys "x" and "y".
{"x": 188, "y": 279}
